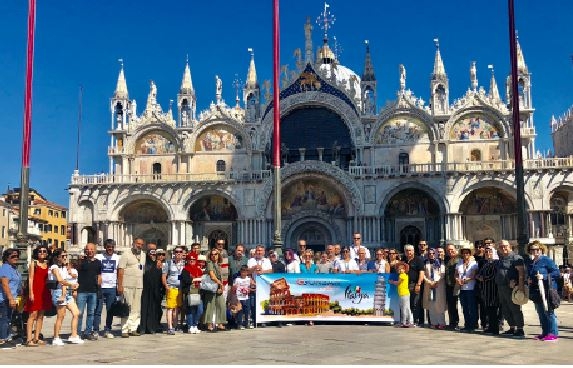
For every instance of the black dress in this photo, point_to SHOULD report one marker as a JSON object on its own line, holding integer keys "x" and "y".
{"x": 151, "y": 297}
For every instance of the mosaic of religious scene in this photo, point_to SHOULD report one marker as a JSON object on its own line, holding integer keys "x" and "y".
{"x": 473, "y": 127}
{"x": 402, "y": 130}
{"x": 411, "y": 203}
{"x": 143, "y": 212}
{"x": 487, "y": 201}
{"x": 154, "y": 144}
{"x": 213, "y": 208}
{"x": 312, "y": 194}
{"x": 218, "y": 139}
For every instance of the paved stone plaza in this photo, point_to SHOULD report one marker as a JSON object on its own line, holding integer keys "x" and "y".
{"x": 319, "y": 344}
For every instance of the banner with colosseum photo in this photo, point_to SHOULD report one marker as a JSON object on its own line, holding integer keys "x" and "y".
{"x": 326, "y": 297}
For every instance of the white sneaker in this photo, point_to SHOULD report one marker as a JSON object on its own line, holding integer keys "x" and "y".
{"x": 75, "y": 340}
{"x": 56, "y": 341}
{"x": 108, "y": 335}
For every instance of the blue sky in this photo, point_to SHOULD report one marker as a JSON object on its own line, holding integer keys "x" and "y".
{"x": 78, "y": 43}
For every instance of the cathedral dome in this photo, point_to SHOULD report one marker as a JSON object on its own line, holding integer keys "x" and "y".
{"x": 344, "y": 77}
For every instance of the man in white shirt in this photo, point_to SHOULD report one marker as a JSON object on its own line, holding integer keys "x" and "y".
{"x": 355, "y": 249}
{"x": 109, "y": 260}
{"x": 257, "y": 265}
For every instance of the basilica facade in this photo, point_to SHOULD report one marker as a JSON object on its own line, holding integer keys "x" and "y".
{"x": 440, "y": 170}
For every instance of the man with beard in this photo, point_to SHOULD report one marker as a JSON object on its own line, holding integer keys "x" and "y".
{"x": 130, "y": 285}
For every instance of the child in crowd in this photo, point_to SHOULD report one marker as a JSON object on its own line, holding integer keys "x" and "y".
{"x": 406, "y": 318}
{"x": 242, "y": 286}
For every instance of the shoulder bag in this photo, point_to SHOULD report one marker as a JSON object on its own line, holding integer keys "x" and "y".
{"x": 207, "y": 284}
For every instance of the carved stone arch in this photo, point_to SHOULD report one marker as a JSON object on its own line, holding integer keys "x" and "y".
{"x": 497, "y": 118}
{"x": 394, "y": 111}
{"x": 288, "y": 226}
{"x": 351, "y": 191}
{"x": 505, "y": 185}
{"x": 197, "y": 195}
{"x": 87, "y": 208}
{"x": 315, "y": 98}
{"x": 143, "y": 130}
{"x": 235, "y": 125}
{"x": 126, "y": 198}
{"x": 431, "y": 192}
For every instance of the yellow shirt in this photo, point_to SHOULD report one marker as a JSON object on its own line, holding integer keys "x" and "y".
{"x": 403, "y": 285}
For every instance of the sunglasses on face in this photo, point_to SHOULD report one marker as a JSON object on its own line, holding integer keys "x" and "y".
{"x": 63, "y": 255}
{"x": 178, "y": 251}
{"x": 43, "y": 251}
{"x": 13, "y": 256}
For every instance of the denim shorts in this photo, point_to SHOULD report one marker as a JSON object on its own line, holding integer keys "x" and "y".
{"x": 56, "y": 294}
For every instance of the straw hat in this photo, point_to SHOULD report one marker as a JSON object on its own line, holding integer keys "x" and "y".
{"x": 202, "y": 257}
{"x": 520, "y": 297}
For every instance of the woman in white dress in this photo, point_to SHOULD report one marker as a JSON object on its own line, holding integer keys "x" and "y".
{"x": 434, "y": 298}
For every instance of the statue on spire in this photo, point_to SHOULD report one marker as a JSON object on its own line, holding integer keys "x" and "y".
{"x": 218, "y": 89}
{"x": 402, "y": 77}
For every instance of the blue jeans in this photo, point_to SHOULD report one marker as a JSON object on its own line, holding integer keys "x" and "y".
{"x": 89, "y": 299}
{"x": 193, "y": 314}
{"x": 253, "y": 306}
{"x": 108, "y": 297}
{"x": 468, "y": 302}
{"x": 244, "y": 315}
{"x": 5, "y": 319}
{"x": 547, "y": 319}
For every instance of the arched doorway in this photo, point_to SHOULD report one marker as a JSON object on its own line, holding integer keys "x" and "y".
{"x": 147, "y": 219}
{"x": 411, "y": 215}
{"x": 316, "y": 234}
{"x": 409, "y": 235}
{"x": 214, "y": 217}
{"x": 489, "y": 213}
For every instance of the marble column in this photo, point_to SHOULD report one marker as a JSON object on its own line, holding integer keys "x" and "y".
{"x": 320, "y": 151}
{"x": 302, "y": 152}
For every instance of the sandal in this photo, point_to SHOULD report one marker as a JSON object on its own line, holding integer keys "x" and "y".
{"x": 40, "y": 342}
{"x": 221, "y": 327}
{"x": 210, "y": 328}
{"x": 31, "y": 344}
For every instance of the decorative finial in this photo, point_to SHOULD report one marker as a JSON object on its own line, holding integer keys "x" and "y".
{"x": 337, "y": 48}
{"x": 186, "y": 58}
{"x": 120, "y": 62}
{"x": 490, "y": 67}
{"x": 250, "y": 50}
{"x": 437, "y": 43}
{"x": 325, "y": 20}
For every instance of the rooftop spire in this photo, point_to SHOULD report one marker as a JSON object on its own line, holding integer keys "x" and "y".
{"x": 439, "y": 69}
{"x": 186, "y": 82}
{"x": 473, "y": 76}
{"x": 493, "y": 90}
{"x": 308, "y": 41}
{"x": 252, "y": 73}
{"x": 521, "y": 66}
{"x": 121, "y": 87}
{"x": 368, "y": 67}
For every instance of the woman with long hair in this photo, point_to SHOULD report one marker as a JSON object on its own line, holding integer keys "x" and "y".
{"x": 39, "y": 298}
{"x": 542, "y": 268}
{"x": 486, "y": 274}
{"x": 59, "y": 272}
{"x": 292, "y": 265}
{"x": 215, "y": 308}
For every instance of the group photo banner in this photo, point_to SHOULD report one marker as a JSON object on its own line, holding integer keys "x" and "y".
{"x": 327, "y": 297}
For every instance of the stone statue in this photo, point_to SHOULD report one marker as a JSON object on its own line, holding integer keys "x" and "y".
{"x": 219, "y": 88}
{"x": 402, "y": 77}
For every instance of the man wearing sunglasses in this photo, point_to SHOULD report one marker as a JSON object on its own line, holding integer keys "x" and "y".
{"x": 109, "y": 260}
{"x": 89, "y": 280}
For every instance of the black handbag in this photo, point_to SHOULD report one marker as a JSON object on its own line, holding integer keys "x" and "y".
{"x": 52, "y": 284}
{"x": 553, "y": 298}
{"x": 119, "y": 308}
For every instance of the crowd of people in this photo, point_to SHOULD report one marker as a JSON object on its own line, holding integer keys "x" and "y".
{"x": 215, "y": 291}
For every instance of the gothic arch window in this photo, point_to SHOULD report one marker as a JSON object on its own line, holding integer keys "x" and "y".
{"x": 475, "y": 155}
{"x": 521, "y": 91}
{"x": 404, "y": 162}
{"x": 221, "y": 165}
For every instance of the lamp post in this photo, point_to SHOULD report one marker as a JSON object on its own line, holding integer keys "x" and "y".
{"x": 522, "y": 223}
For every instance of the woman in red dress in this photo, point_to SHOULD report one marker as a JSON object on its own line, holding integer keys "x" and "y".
{"x": 39, "y": 298}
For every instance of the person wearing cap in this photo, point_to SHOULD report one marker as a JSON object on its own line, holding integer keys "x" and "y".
{"x": 190, "y": 281}
{"x": 109, "y": 260}
{"x": 542, "y": 268}
{"x": 152, "y": 293}
{"x": 510, "y": 272}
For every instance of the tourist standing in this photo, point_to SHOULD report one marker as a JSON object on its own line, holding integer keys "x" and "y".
{"x": 39, "y": 298}
{"x": 109, "y": 262}
{"x": 130, "y": 285}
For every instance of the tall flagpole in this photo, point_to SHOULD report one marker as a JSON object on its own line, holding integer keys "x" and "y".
{"x": 522, "y": 223}
{"x": 277, "y": 239}
{"x": 22, "y": 242}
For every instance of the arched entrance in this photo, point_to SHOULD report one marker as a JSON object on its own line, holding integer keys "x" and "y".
{"x": 489, "y": 213}
{"x": 146, "y": 219}
{"x": 410, "y": 235}
{"x": 411, "y": 215}
{"x": 316, "y": 234}
{"x": 214, "y": 217}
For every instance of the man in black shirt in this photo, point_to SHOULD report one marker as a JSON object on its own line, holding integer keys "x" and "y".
{"x": 89, "y": 280}
{"x": 278, "y": 266}
{"x": 415, "y": 278}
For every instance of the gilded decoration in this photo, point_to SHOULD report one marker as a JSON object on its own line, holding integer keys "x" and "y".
{"x": 213, "y": 208}
{"x": 312, "y": 194}
{"x": 473, "y": 127}
{"x": 411, "y": 203}
{"x": 218, "y": 139}
{"x": 487, "y": 201}
{"x": 402, "y": 130}
{"x": 155, "y": 144}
